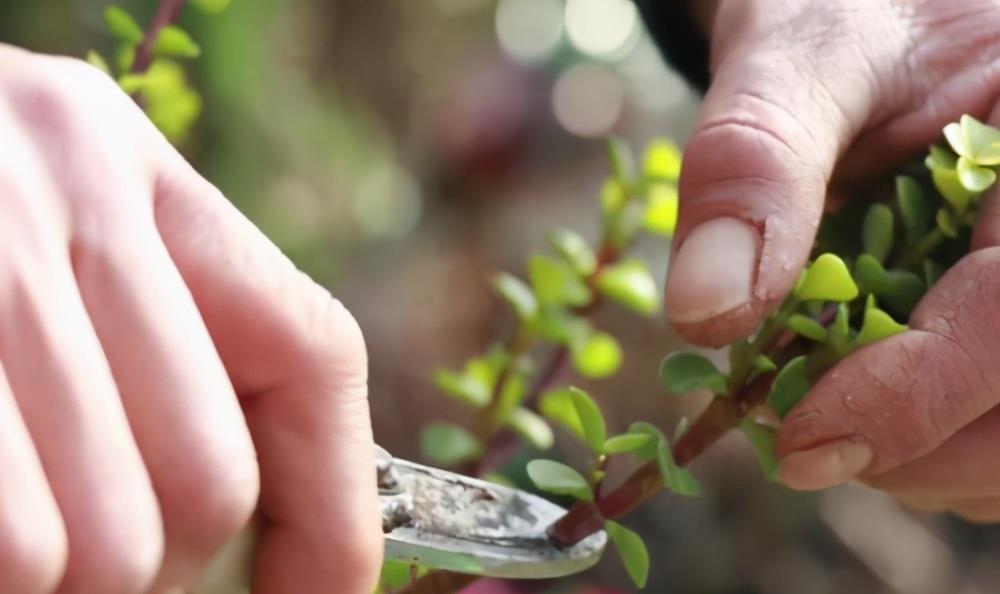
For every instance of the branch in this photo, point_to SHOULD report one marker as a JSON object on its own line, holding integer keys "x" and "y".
{"x": 166, "y": 13}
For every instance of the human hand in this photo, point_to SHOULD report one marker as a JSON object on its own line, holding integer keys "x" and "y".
{"x": 162, "y": 365}
{"x": 810, "y": 98}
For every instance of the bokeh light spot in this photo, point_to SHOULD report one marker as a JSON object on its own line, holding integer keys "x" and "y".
{"x": 529, "y": 30}
{"x": 601, "y": 28}
{"x": 587, "y": 99}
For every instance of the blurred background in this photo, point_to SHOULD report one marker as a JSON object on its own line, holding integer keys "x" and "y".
{"x": 401, "y": 152}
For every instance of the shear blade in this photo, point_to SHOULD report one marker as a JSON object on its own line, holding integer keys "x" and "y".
{"x": 444, "y": 520}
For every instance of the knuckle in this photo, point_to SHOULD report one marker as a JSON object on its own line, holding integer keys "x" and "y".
{"x": 212, "y": 498}
{"x": 331, "y": 339}
{"x": 32, "y": 558}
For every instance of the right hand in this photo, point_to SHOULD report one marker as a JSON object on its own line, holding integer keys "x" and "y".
{"x": 162, "y": 365}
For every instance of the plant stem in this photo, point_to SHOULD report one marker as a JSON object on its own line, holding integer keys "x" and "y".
{"x": 166, "y": 13}
{"x": 924, "y": 247}
{"x": 439, "y": 582}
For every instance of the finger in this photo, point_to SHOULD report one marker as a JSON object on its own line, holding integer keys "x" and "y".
{"x": 899, "y": 399}
{"x": 297, "y": 359}
{"x": 32, "y": 535}
{"x": 775, "y": 119}
{"x": 964, "y": 467}
{"x": 180, "y": 403}
{"x": 982, "y": 510}
{"x": 69, "y": 402}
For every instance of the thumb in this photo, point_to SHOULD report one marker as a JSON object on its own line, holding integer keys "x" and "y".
{"x": 753, "y": 185}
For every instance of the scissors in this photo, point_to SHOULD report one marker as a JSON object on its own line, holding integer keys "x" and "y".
{"x": 443, "y": 520}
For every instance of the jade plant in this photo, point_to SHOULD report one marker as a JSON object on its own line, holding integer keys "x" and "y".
{"x": 872, "y": 264}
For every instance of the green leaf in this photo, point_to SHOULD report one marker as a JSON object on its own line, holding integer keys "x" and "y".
{"x": 517, "y": 294}
{"x": 807, "y": 327}
{"x": 597, "y": 356}
{"x": 556, "y": 283}
{"x": 973, "y": 177}
{"x": 950, "y": 186}
{"x": 531, "y": 427}
{"x": 663, "y": 160}
{"x": 902, "y": 290}
{"x": 620, "y": 156}
{"x": 467, "y": 389}
{"x": 632, "y": 551}
{"x": 557, "y": 405}
{"x": 932, "y": 272}
{"x": 630, "y": 284}
{"x": 955, "y": 136}
{"x": 827, "y": 279}
{"x": 763, "y": 364}
{"x": 877, "y": 232}
{"x": 122, "y": 26}
{"x": 939, "y": 157}
{"x": 990, "y": 155}
{"x": 174, "y": 42}
{"x": 977, "y": 140}
{"x": 614, "y": 195}
{"x": 515, "y": 388}
{"x": 660, "y": 214}
{"x": 682, "y": 373}
{"x": 448, "y": 445}
{"x": 595, "y": 431}
{"x": 574, "y": 249}
{"x": 869, "y": 274}
{"x": 677, "y": 479}
{"x": 946, "y": 222}
{"x": 914, "y": 210}
{"x": 626, "y": 442}
{"x": 212, "y": 6}
{"x": 789, "y": 386}
{"x": 682, "y": 426}
{"x": 124, "y": 58}
{"x": 170, "y": 102}
{"x": 841, "y": 326}
{"x": 876, "y": 326}
{"x": 97, "y": 61}
{"x": 762, "y": 439}
{"x": 559, "y": 479}
{"x": 649, "y": 451}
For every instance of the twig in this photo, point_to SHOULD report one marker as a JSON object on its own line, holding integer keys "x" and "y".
{"x": 166, "y": 13}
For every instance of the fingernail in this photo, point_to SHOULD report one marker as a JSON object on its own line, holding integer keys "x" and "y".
{"x": 827, "y": 465}
{"x": 713, "y": 271}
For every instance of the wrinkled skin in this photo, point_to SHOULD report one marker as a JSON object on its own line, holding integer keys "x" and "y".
{"x": 813, "y": 98}
{"x": 164, "y": 370}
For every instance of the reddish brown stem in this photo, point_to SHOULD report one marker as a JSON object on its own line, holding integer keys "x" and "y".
{"x": 166, "y": 13}
{"x": 439, "y": 582}
{"x": 723, "y": 414}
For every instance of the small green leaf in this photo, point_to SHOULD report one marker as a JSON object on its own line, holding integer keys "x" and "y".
{"x": 124, "y": 57}
{"x": 915, "y": 212}
{"x": 595, "y": 432}
{"x": 174, "y": 42}
{"x": 556, "y": 283}
{"x": 630, "y": 284}
{"x": 827, "y": 279}
{"x": 877, "y": 231}
{"x": 932, "y": 272}
{"x": 973, "y": 177}
{"x": 682, "y": 373}
{"x": 649, "y": 451}
{"x": 97, "y": 61}
{"x": 122, "y": 26}
{"x": 682, "y": 426}
{"x": 620, "y": 156}
{"x": 517, "y": 294}
{"x": 677, "y": 479}
{"x": 990, "y": 155}
{"x": 597, "y": 356}
{"x": 614, "y": 195}
{"x": 626, "y": 442}
{"x": 531, "y": 427}
{"x": 762, "y": 439}
{"x": 212, "y": 6}
{"x": 876, "y": 326}
{"x": 789, "y": 386}
{"x": 950, "y": 186}
{"x": 663, "y": 160}
{"x": 574, "y": 249}
{"x": 515, "y": 388}
{"x": 557, "y": 405}
{"x": 559, "y": 325}
{"x": 902, "y": 290}
{"x": 807, "y": 327}
{"x": 632, "y": 551}
{"x": 763, "y": 364}
{"x": 946, "y": 222}
{"x": 870, "y": 274}
{"x": 955, "y": 136}
{"x": 978, "y": 139}
{"x": 463, "y": 387}
{"x": 448, "y": 445}
{"x": 660, "y": 214}
{"x": 559, "y": 479}
{"x": 939, "y": 157}
{"x": 841, "y": 326}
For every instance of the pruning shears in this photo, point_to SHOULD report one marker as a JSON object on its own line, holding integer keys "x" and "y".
{"x": 444, "y": 520}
